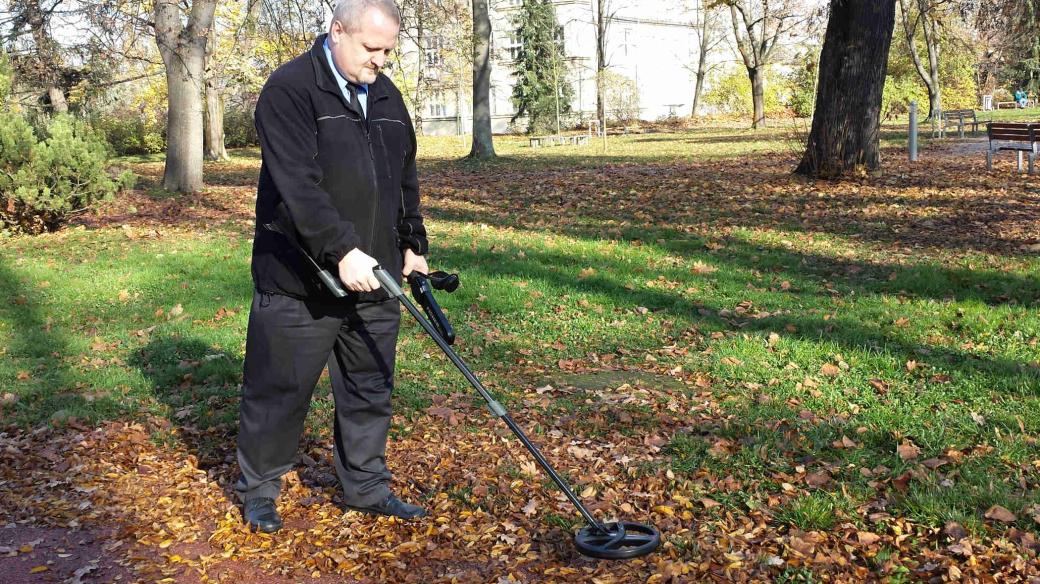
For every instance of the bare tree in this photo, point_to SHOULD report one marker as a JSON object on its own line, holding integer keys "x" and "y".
{"x": 602, "y": 17}
{"x": 182, "y": 40}
{"x": 926, "y": 17}
{"x": 845, "y": 135}
{"x": 243, "y": 36}
{"x": 758, "y": 26}
{"x": 440, "y": 31}
{"x": 483, "y": 145}
{"x": 706, "y": 27}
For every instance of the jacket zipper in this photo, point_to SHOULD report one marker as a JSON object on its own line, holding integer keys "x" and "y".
{"x": 375, "y": 202}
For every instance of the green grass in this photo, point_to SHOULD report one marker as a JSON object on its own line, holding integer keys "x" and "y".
{"x": 816, "y": 511}
{"x": 96, "y": 326}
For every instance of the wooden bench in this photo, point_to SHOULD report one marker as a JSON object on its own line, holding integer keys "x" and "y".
{"x": 1017, "y": 136}
{"x": 959, "y": 119}
{"x": 574, "y": 140}
{"x": 1030, "y": 102}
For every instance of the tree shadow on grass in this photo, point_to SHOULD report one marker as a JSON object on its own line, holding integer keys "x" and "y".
{"x": 36, "y": 368}
{"x": 905, "y": 208}
{"x": 812, "y": 274}
{"x": 201, "y": 387}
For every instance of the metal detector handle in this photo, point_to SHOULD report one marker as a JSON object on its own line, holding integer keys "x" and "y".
{"x": 332, "y": 283}
{"x": 422, "y": 292}
{"x": 444, "y": 281}
{"x": 387, "y": 281}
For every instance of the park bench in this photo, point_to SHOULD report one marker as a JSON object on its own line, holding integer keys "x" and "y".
{"x": 574, "y": 140}
{"x": 1017, "y": 136}
{"x": 1030, "y": 102}
{"x": 959, "y": 119}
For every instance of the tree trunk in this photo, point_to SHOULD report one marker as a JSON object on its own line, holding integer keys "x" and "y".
{"x": 845, "y": 135}
{"x": 57, "y": 98}
{"x": 601, "y": 61}
{"x": 46, "y": 54}
{"x": 213, "y": 135}
{"x": 929, "y": 76}
{"x": 419, "y": 97}
{"x": 213, "y": 147}
{"x": 704, "y": 43}
{"x": 697, "y": 90}
{"x": 183, "y": 50}
{"x": 758, "y": 92}
{"x": 184, "y": 133}
{"x": 483, "y": 145}
{"x": 929, "y": 25}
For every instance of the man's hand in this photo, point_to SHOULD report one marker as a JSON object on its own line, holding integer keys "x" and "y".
{"x": 355, "y": 270}
{"x": 414, "y": 262}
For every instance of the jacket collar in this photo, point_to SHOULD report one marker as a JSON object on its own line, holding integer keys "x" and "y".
{"x": 325, "y": 80}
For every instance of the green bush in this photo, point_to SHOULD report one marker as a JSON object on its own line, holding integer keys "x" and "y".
{"x": 43, "y": 181}
{"x": 621, "y": 95}
{"x": 129, "y": 132}
{"x": 802, "y": 82}
{"x": 239, "y": 129}
{"x": 730, "y": 92}
{"x": 6, "y": 78}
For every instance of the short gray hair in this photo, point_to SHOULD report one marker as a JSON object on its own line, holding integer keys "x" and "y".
{"x": 349, "y": 12}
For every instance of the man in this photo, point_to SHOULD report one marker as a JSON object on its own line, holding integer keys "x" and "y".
{"x": 338, "y": 176}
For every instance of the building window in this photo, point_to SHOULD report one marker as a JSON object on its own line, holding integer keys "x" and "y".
{"x": 436, "y": 104}
{"x": 434, "y": 51}
{"x": 514, "y": 45}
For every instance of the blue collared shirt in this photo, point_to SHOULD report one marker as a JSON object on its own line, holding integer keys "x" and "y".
{"x": 362, "y": 91}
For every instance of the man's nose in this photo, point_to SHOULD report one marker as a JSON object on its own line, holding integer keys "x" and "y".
{"x": 379, "y": 60}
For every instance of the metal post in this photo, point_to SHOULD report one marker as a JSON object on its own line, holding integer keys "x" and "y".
{"x": 913, "y": 131}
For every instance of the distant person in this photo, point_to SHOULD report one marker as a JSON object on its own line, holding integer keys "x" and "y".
{"x": 1021, "y": 98}
{"x": 338, "y": 175}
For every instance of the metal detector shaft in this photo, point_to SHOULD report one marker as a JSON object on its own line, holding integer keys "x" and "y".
{"x": 392, "y": 288}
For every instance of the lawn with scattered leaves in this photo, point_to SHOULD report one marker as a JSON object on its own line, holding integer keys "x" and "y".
{"x": 795, "y": 381}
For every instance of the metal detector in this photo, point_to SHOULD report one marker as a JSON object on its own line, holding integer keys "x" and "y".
{"x": 618, "y": 540}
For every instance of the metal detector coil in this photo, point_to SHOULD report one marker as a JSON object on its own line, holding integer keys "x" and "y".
{"x": 620, "y": 540}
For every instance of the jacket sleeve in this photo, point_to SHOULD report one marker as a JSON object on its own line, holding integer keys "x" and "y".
{"x": 288, "y": 139}
{"x": 410, "y": 228}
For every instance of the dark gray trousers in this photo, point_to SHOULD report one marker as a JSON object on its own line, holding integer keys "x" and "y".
{"x": 288, "y": 344}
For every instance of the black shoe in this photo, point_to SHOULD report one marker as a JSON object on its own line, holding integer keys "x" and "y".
{"x": 261, "y": 515}
{"x": 392, "y": 507}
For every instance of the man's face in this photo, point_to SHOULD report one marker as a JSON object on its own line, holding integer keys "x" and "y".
{"x": 360, "y": 54}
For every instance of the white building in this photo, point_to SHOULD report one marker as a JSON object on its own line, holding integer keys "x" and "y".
{"x": 651, "y": 42}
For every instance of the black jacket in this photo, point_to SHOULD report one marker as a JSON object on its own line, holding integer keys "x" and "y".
{"x": 332, "y": 177}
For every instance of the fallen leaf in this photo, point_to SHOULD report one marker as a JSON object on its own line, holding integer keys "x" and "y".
{"x": 908, "y": 450}
{"x": 955, "y": 530}
{"x": 867, "y": 537}
{"x": 530, "y": 508}
{"x": 998, "y": 513}
{"x": 818, "y": 479}
{"x": 830, "y": 370}
{"x": 702, "y": 268}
